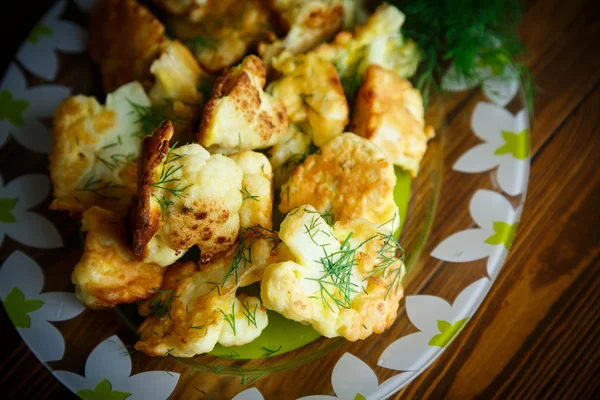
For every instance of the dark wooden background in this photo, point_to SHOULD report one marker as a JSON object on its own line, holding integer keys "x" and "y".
{"x": 537, "y": 334}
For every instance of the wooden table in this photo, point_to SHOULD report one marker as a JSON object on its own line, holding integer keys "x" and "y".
{"x": 537, "y": 332}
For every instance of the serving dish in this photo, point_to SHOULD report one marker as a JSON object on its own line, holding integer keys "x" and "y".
{"x": 461, "y": 220}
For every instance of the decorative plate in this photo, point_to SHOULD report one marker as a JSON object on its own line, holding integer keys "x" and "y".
{"x": 462, "y": 217}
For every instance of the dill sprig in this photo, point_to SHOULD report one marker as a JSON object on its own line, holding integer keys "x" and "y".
{"x": 230, "y": 318}
{"x": 99, "y": 187}
{"x": 250, "y": 315}
{"x": 243, "y": 249}
{"x": 162, "y": 303}
{"x": 148, "y": 117}
{"x": 390, "y": 260}
{"x": 469, "y": 33}
{"x": 336, "y": 280}
{"x": 166, "y": 175}
{"x": 164, "y": 205}
{"x": 247, "y": 195}
{"x": 349, "y": 73}
{"x": 269, "y": 352}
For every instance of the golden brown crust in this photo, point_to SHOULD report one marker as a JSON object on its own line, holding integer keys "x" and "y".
{"x": 239, "y": 105}
{"x": 351, "y": 178}
{"x": 125, "y": 38}
{"x": 389, "y": 112}
{"x": 147, "y": 217}
{"x": 108, "y": 273}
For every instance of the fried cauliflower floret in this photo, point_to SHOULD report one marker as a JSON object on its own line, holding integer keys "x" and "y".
{"x": 95, "y": 150}
{"x": 309, "y": 23}
{"x": 351, "y": 178}
{"x": 378, "y": 42}
{"x": 286, "y": 155}
{"x": 221, "y": 32}
{"x": 312, "y": 94}
{"x": 197, "y": 308}
{"x": 257, "y": 189}
{"x": 345, "y": 281}
{"x": 108, "y": 273}
{"x": 193, "y": 9}
{"x": 186, "y": 197}
{"x": 125, "y": 38}
{"x": 389, "y": 112}
{"x": 240, "y": 115}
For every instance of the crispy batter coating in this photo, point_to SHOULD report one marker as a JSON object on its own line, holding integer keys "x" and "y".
{"x": 198, "y": 308}
{"x": 257, "y": 189}
{"x": 186, "y": 197}
{"x": 108, "y": 273}
{"x": 240, "y": 115}
{"x": 379, "y": 42}
{"x": 125, "y": 38}
{"x": 95, "y": 150}
{"x": 221, "y": 32}
{"x": 360, "y": 298}
{"x": 351, "y": 178}
{"x": 312, "y": 94}
{"x": 308, "y": 23}
{"x": 389, "y": 112}
{"x": 192, "y": 9}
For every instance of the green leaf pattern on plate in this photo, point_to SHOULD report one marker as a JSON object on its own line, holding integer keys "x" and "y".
{"x": 37, "y": 32}
{"x": 102, "y": 391}
{"x": 516, "y": 144}
{"x": 12, "y": 109}
{"x": 18, "y": 307}
{"x": 447, "y": 332}
{"x": 504, "y": 233}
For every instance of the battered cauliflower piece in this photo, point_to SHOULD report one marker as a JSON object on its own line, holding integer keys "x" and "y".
{"x": 378, "y": 42}
{"x": 186, "y": 197}
{"x": 309, "y": 23}
{"x": 389, "y": 112}
{"x": 240, "y": 115}
{"x": 108, "y": 273}
{"x": 257, "y": 189}
{"x": 221, "y": 32}
{"x": 197, "y": 308}
{"x": 95, "y": 150}
{"x": 351, "y": 178}
{"x": 192, "y": 9}
{"x": 286, "y": 155}
{"x": 312, "y": 94}
{"x": 125, "y": 38}
{"x": 344, "y": 281}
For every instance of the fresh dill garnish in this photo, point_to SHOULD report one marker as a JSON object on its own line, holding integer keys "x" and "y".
{"x": 336, "y": 280}
{"x": 247, "y": 195}
{"x": 312, "y": 230}
{"x": 250, "y": 315}
{"x": 252, "y": 381}
{"x": 390, "y": 261}
{"x": 364, "y": 326}
{"x": 243, "y": 249}
{"x": 166, "y": 175}
{"x": 469, "y": 33}
{"x": 217, "y": 286}
{"x": 230, "y": 318}
{"x": 196, "y": 327}
{"x": 99, "y": 186}
{"x": 217, "y": 368}
{"x": 168, "y": 373}
{"x": 164, "y": 205}
{"x": 169, "y": 351}
{"x": 199, "y": 390}
{"x": 328, "y": 217}
{"x": 269, "y": 352}
{"x": 350, "y": 76}
{"x": 233, "y": 354}
{"x": 162, "y": 303}
{"x": 148, "y": 117}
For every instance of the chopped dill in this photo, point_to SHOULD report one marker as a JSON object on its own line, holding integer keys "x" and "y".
{"x": 148, "y": 117}
{"x": 169, "y": 351}
{"x": 99, "y": 187}
{"x": 162, "y": 303}
{"x": 247, "y": 195}
{"x": 164, "y": 205}
{"x": 230, "y": 318}
{"x": 196, "y": 327}
{"x": 166, "y": 175}
{"x": 250, "y": 315}
{"x": 269, "y": 352}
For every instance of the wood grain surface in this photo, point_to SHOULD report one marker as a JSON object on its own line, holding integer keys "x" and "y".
{"x": 537, "y": 334}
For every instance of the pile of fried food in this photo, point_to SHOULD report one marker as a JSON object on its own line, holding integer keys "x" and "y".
{"x": 259, "y": 129}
